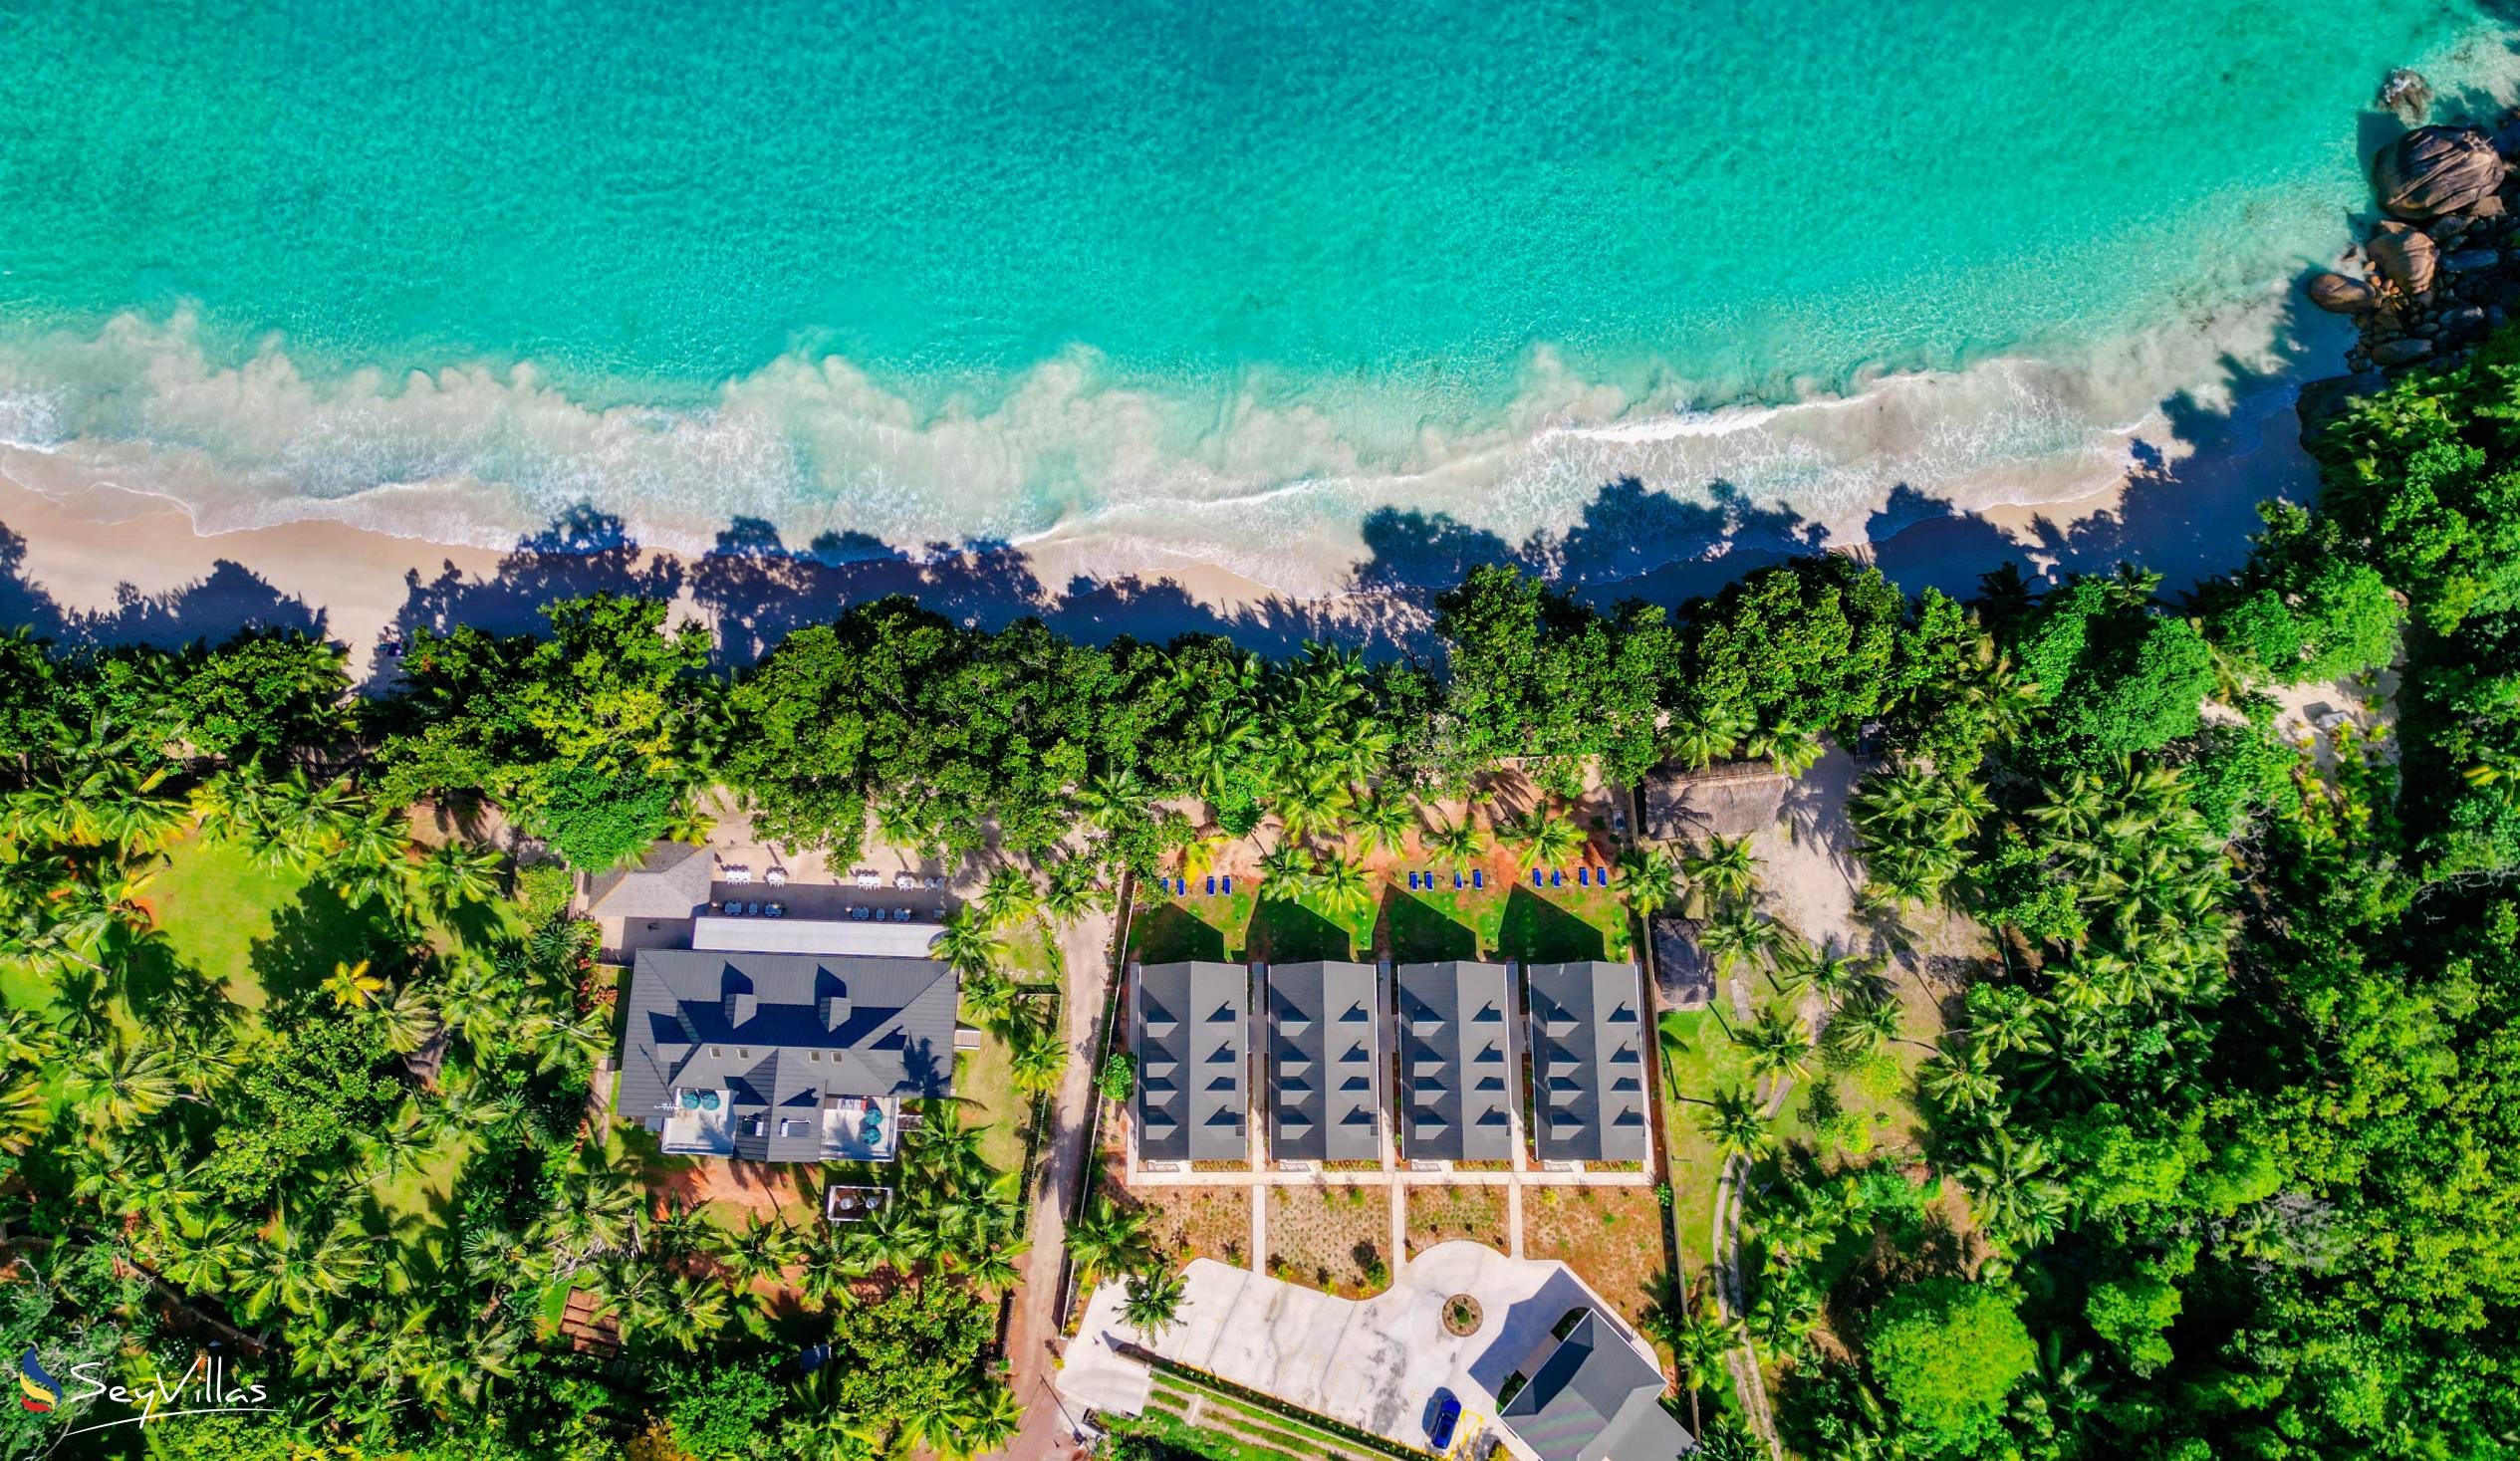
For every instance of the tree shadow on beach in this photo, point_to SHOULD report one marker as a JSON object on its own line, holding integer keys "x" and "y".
{"x": 227, "y": 601}
{"x": 2188, "y": 510}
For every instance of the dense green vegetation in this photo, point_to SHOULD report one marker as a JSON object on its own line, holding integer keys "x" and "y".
{"x": 2220, "y": 1162}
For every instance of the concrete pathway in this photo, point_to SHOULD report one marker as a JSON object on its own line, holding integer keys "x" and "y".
{"x": 1400, "y": 1224}
{"x": 1047, "y": 1430}
{"x": 1514, "y": 1220}
{"x": 1373, "y": 1363}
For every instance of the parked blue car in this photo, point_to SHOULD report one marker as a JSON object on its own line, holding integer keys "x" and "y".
{"x": 1448, "y": 1414}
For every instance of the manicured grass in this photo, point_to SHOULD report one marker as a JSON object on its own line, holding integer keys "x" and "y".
{"x": 216, "y": 906}
{"x": 984, "y": 1078}
{"x": 1295, "y": 931}
{"x": 1420, "y": 931}
{"x": 1480, "y": 910}
{"x": 1194, "y": 927}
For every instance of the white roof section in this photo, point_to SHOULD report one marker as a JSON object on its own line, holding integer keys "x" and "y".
{"x": 758, "y": 935}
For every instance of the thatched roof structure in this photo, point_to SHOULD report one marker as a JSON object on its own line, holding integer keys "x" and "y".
{"x": 1733, "y": 799}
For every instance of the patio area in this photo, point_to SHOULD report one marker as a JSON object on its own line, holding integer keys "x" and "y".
{"x": 1373, "y": 1363}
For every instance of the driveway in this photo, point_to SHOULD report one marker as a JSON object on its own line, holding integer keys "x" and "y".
{"x": 1048, "y": 1430}
{"x": 1375, "y": 1363}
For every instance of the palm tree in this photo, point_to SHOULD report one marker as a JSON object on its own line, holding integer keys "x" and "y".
{"x": 1735, "y": 1123}
{"x": 1150, "y": 1302}
{"x": 1961, "y": 1077}
{"x": 117, "y": 1087}
{"x": 1342, "y": 885}
{"x": 1109, "y": 1240}
{"x": 1649, "y": 877}
{"x": 1457, "y": 844}
{"x": 1701, "y": 738}
{"x": 969, "y": 943}
{"x": 1038, "y": 1055}
{"x": 1774, "y": 1045}
{"x": 409, "y": 1020}
{"x": 1863, "y": 1026}
{"x": 987, "y": 1421}
{"x": 1725, "y": 874}
{"x": 1112, "y": 797}
{"x": 352, "y": 986}
{"x": 1735, "y": 933}
{"x": 943, "y": 1143}
{"x": 1076, "y": 889}
{"x": 1314, "y": 804}
{"x": 1383, "y": 821}
{"x": 1285, "y": 871}
{"x": 1793, "y": 749}
{"x": 1702, "y": 1343}
{"x": 1010, "y": 896}
{"x": 992, "y": 1265}
{"x": 691, "y": 1311}
{"x": 766, "y": 1248}
{"x": 1545, "y": 837}
{"x": 2016, "y": 1202}
{"x": 453, "y": 876}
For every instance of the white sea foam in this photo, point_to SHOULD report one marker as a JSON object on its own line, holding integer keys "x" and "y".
{"x": 1106, "y": 477}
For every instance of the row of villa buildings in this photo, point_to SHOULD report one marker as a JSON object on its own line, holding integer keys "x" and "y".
{"x": 1339, "y": 1045}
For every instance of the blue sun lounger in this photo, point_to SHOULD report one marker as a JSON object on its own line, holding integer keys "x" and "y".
{"x": 1477, "y": 879}
{"x": 1211, "y": 886}
{"x": 1557, "y": 878}
{"x": 1584, "y": 877}
{"x": 1226, "y": 884}
{"x": 1538, "y": 880}
{"x": 1412, "y": 882}
{"x": 1456, "y": 881}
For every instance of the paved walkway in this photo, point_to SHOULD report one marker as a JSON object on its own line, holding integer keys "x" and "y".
{"x": 1373, "y": 1363}
{"x": 1047, "y": 1430}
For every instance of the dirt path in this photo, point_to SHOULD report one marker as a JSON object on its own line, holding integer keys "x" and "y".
{"x": 1047, "y": 1430}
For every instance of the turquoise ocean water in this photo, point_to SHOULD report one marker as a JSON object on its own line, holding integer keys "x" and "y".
{"x": 1138, "y": 284}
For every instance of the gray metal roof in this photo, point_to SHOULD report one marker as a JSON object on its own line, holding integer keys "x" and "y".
{"x": 672, "y": 881}
{"x": 1188, "y": 1024}
{"x": 1325, "y": 1052}
{"x": 1459, "y": 1072}
{"x": 1588, "y": 1055}
{"x": 1592, "y": 1397}
{"x": 782, "y": 1033}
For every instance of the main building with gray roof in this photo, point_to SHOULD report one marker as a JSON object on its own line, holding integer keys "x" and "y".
{"x": 1587, "y": 1062}
{"x": 1588, "y": 1396}
{"x": 1326, "y": 1053}
{"x": 1459, "y": 1073}
{"x": 1189, "y": 1024}
{"x": 785, "y": 1050}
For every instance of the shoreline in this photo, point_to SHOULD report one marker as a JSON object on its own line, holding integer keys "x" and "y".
{"x": 133, "y": 569}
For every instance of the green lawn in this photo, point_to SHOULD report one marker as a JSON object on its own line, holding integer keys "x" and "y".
{"x": 983, "y": 1078}
{"x": 216, "y": 906}
{"x": 1198, "y": 927}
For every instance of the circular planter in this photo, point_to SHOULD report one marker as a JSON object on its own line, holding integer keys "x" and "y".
{"x": 1461, "y": 1318}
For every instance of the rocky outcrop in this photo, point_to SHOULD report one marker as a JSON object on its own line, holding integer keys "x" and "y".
{"x": 2340, "y": 293}
{"x": 2443, "y": 271}
{"x": 2434, "y": 171}
{"x": 2405, "y": 257}
{"x": 2408, "y": 95}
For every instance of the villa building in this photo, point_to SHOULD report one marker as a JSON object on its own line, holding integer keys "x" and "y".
{"x": 1583, "y": 1394}
{"x": 784, "y": 1056}
{"x": 1588, "y": 1058}
{"x": 1326, "y": 1053}
{"x": 1188, "y": 1025}
{"x": 1458, "y": 1070}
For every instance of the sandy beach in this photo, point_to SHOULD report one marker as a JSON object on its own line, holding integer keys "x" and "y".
{"x": 92, "y": 562}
